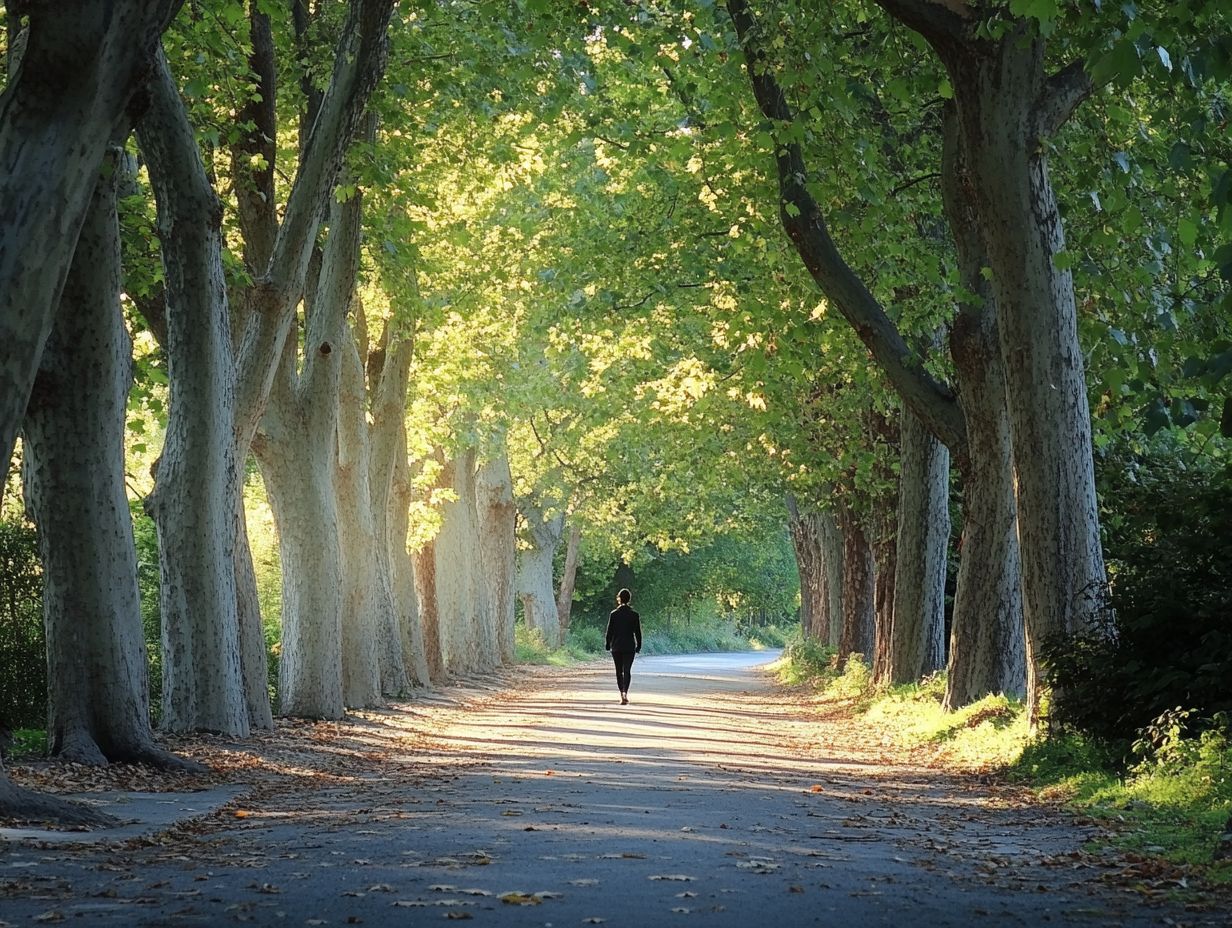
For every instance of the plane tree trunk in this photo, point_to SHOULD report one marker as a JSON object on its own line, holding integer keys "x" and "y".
{"x": 73, "y": 469}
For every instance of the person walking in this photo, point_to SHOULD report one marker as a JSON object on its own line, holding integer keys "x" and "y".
{"x": 624, "y": 639}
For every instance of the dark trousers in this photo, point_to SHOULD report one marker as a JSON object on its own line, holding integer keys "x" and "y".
{"x": 624, "y": 666}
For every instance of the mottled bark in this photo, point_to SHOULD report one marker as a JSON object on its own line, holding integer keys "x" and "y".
{"x": 63, "y": 103}
{"x": 459, "y": 596}
{"x": 195, "y": 499}
{"x": 367, "y": 597}
{"x": 401, "y": 658}
{"x": 568, "y": 579}
{"x": 429, "y": 615}
{"x": 298, "y": 452}
{"x": 859, "y": 607}
{"x": 73, "y": 468}
{"x": 415, "y": 650}
{"x": 535, "y": 583}
{"x": 918, "y": 642}
{"x": 1007, "y": 107}
{"x": 987, "y": 647}
{"x": 497, "y": 549}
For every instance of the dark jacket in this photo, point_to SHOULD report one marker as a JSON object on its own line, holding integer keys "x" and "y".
{"x": 624, "y": 630}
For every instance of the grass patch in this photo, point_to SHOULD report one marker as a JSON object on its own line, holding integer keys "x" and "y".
{"x": 26, "y": 743}
{"x": 1172, "y": 797}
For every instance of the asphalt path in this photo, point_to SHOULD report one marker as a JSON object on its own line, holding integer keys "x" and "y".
{"x": 707, "y": 800}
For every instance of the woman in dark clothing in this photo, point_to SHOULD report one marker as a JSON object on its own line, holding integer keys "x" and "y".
{"x": 624, "y": 639}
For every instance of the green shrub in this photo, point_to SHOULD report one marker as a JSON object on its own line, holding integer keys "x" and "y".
{"x": 23, "y": 649}
{"x": 1167, "y": 639}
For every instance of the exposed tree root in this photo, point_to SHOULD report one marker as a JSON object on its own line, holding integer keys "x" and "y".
{"x": 25, "y": 805}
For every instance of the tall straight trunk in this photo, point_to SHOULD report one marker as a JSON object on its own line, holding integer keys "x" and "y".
{"x": 254, "y": 652}
{"x": 194, "y": 501}
{"x": 918, "y": 645}
{"x": 1007, "y": 109}
{"x": 803, "y": 529}
{"x": 367, "y": 598}
{"x": 73, "y": 464}
{"x": 884, "y": 431}
{"x": 429, "y": 613}
{"x": 497, "y": 549}
{"x": 987, "y": 646}
{"x": 402, "y": 570}
{"x": 458, "y": 594}
{"x": 401, "y": 658}
{"x": 63, "y": 103}
{"x": 831, "y": 593}
{"x": 534, "y": 575}
{"x": 885, "y": 561}
{"x": 859, "y": 605}
{"x": 568, "y": 579}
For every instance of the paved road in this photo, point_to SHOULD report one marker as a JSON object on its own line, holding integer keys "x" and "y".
{"x": 705, "y": 801}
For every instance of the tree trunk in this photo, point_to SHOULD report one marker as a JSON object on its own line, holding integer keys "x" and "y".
{"x": 987, "y": 649}
{"x": 831, "y": 593}
{"x": 458, "y": 593}
{"x": 59, "y": 110}
{"x": 73, "y": 464}
{"x": 194, "y": 501}
{"x": 497, "y": 549}
{"x": 859, "y": 607}
{"x": 298, "y": 452}
{"x": 918, "y": 645}
{"x": 402, "y": 571}
{"x": 429, "y": 614}
{"x": 1006, "y": 109}
{"x": 534, "y": 575}
{"x": 367, "y": 598}
{"x": 805, "y": 542}
{"x": 400, "y": 645}
{"x": 568, "y": 579}
{"x": 884, "y": 541}
{"x": 254, "y": 652}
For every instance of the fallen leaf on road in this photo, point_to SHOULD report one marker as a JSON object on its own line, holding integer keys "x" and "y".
{"x": 520, "y": 899}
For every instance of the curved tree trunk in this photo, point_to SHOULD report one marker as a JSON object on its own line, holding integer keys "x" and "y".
{"x": 918, "y": 645}
{"x": 298, "y": 453}
{"x": 498, "y": 555}
{"x": 64, "y": 102}
{"x": 859, "y": 606}
{"x": 194, "y": 501}
{"x": 534, "y": 575}
{"x": 73, "y": 465}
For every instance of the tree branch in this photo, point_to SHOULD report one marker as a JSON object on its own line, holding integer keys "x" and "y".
{"x": 805, "y": 225}
{"x": 936, "y": 20}
{"x": 1062, "y": 94}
